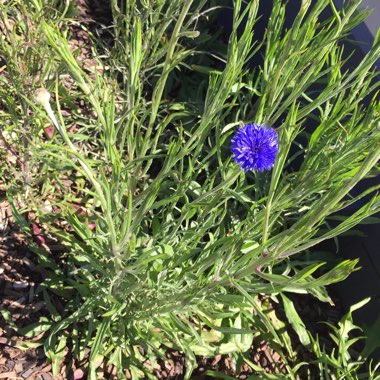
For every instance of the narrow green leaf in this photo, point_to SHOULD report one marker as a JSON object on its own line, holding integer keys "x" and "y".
{"x": 295, "y": 321}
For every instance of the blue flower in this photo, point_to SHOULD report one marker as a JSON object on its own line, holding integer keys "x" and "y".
{"x": 254, "y": 147}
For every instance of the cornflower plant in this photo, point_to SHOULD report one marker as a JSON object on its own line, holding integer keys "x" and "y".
{"x": 169, "y": 189}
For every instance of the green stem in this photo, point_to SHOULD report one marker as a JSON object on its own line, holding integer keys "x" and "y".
{"x": 159, "y": 88}
{"x": 98, "y": 188}
{"x": 286, "y": 136}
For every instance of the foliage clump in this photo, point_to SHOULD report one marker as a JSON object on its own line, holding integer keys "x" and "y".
{"x": 164, "y": 242}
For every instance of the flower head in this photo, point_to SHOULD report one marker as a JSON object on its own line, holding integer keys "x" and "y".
{"x": 41, "y": 96}
{"x": 255, "y": 147}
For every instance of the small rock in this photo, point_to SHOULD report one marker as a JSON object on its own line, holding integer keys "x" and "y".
{"x": 47, "y": 206}
{"x": 49, "y": 131}
{"x": 31, "y": 294}
{"x": 20, "y": 285}
{"x": 216, "y": 360}
{"x": 263, "y": 361}
{"x": 78, "y": 374}
{"x": 8, "y": 375}
{"x": 27, "y": 373}
{"x": 46, "y": 369}
{"x": 28, "y": 263}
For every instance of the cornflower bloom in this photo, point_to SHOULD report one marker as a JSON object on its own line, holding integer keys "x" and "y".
{"x": 254, "y": 147}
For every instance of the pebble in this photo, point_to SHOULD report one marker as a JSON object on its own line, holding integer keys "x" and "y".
{"x": 78, "y": 374}
{"x": 20, "y": 285}
{"x": 28, "y": 263}
{"x": 264, "y": 361}
{"x": 31, "y": 294}
{"x": 8, "y": 375}
{"x": 27, "y": 373}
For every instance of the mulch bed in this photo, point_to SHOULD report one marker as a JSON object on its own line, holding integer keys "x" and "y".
{"x": 19, "y": 278}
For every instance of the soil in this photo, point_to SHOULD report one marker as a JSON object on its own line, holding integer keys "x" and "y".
{"x": 19, "y": 279}
{"x": 21, "y": 304}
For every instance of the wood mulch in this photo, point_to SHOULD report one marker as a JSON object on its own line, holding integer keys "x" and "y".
{"x": 20, "y": 306}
